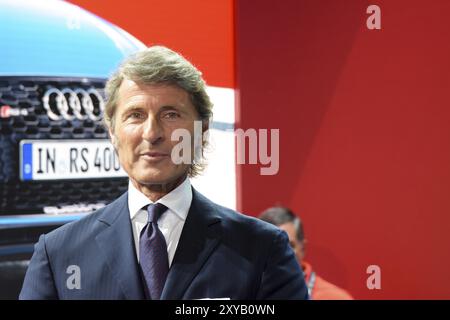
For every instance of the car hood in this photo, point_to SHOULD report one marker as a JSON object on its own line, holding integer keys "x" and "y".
{"x": 56, "y": 38}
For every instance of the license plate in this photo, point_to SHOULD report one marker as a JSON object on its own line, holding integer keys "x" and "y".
{"x": 68, "y": 159}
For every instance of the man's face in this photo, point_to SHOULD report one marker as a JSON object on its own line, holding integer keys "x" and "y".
{"x": 296, "y": 245}
{"x": 145, "y": 118}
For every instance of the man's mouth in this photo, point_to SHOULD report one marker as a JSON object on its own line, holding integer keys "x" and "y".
{"x": 154, "y": 155}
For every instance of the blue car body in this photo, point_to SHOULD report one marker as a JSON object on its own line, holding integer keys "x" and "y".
{"x": 56, "y": 38}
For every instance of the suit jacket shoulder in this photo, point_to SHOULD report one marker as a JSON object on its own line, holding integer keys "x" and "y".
{"x": 74, "y": 235}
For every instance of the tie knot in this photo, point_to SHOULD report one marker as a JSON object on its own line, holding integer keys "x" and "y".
{"x": 155, "y": 211}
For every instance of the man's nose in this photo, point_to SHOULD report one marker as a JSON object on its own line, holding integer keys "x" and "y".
{"x": 153, "y": 132}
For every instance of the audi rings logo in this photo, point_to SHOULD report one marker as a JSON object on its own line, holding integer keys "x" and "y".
{"x": 72, "y": 104}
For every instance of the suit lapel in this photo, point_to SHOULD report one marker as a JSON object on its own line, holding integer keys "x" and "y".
{"x": 117, "y": 246}
{"x": 201, "y": 234}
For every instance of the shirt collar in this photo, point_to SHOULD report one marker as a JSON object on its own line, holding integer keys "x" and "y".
{"x": 178, "y": 200}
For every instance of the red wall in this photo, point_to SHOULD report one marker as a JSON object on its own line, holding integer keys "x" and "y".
{"x": 364, "y": 122}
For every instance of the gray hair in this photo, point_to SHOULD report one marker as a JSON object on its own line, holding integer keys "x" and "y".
{"x": 160, "y": 65}
{"x": 281, "y": 215}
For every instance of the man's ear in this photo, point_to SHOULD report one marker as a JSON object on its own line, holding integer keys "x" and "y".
{"x": 113, "y": 138}
{"x": 205, "y": 132}
{"x": 205, "y": 125}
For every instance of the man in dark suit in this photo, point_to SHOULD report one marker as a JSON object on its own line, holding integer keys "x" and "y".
{"x": 162, "y": 239}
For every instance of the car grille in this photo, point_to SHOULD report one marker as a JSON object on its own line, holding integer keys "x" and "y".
{"x": 23, "y": 96}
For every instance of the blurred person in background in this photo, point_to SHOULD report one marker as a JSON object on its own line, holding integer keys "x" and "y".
{"x": 318, "y": 288}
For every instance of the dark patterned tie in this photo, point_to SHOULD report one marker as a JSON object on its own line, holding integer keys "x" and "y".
{"x": 153, "y": 257}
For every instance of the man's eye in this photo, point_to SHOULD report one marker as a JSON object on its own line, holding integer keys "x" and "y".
{"x": 136, "y": 115}
{"x": 171, "y": 115}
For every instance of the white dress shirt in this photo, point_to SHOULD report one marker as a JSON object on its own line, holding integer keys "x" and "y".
{"x": 171, "y": 223}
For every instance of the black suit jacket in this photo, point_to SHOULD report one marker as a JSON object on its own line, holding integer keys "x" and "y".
{"x": 221, "y": 254}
